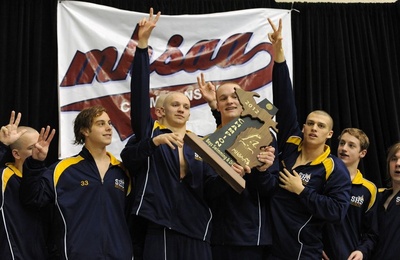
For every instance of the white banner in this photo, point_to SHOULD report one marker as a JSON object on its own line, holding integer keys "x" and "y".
{"x": 96, "y": 47}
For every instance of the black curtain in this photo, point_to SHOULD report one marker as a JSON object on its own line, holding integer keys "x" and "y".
{"x": 346, "y": 61}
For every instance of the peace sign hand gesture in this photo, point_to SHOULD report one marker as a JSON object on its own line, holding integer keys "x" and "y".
{"x": 276, "y": 39}
{"x": 42, "y": 146}
{"x": 9, "y": 133}
{"x": 146, "y": 26}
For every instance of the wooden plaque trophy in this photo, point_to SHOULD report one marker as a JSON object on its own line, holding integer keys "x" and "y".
{"x": 238, "y": 141}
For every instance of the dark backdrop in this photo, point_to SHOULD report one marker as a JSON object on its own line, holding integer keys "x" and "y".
{"x": 346, "y": 61}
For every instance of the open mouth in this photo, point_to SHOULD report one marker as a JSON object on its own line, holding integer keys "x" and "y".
{"x": 230, "y": 108}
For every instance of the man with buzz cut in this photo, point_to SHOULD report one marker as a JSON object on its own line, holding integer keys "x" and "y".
{"x": 22, "y": 230}
{"x": 172, "y": 183}
{"x": 241, "y": 221}
{"x": 314, "y": 185}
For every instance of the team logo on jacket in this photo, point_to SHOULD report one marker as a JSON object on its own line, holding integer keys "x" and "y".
{"x": 357, "y": 201}
{"x": 120, "y": 184}
{"x": 398, "y": 200}
{"x": 197, "y": 157}
{"x": 305, "y": 178}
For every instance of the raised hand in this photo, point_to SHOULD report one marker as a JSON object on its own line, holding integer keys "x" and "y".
{"x": 9, "y": 133}
{"x": 42, "y": 146}
{"x": 146, "y": 26}
{"x": 276, "y": 39}
{"x": 207, "y": 90}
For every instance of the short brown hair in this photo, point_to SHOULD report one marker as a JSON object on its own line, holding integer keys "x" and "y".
{"x": 390, "y": 154}
{"x": 359, "y": 134}
{"x": 84, "y": 120}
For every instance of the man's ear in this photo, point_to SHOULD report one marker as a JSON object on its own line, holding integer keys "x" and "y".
{"x": 363, "y": 153}
{"x": 162, "y": 111}
{"x": 159, "y": 112}
{"x": 85, "y": 131}
{"x": 15, "y": 154}
{"x": 330, "y": 134}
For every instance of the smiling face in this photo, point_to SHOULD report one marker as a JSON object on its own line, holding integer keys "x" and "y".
{"x": 84, "y": 122}
{"x": 100, "y": 133}
{"x": 317, "y": 129}
{"x": 176, "y": 110}
{"x": 228, "y": 103}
